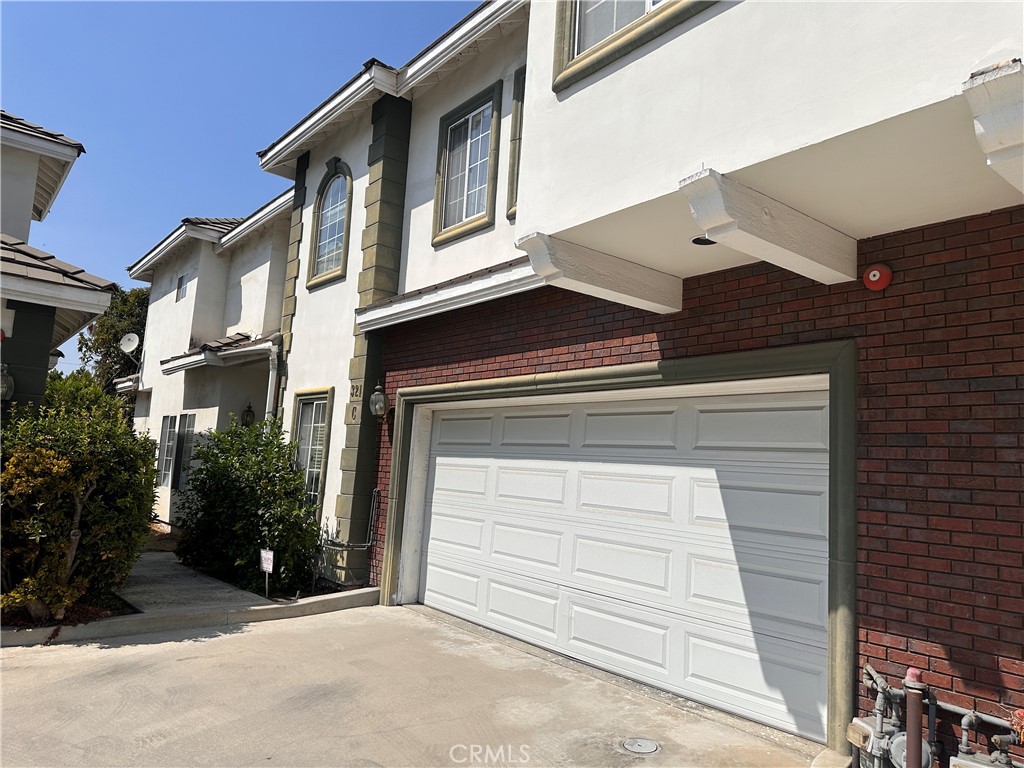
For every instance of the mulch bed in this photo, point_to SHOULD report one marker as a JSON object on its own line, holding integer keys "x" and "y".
{"x": 89, "y": 609}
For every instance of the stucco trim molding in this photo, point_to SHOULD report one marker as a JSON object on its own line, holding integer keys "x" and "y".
{"x": 752, "y": 223}
{"x": 577, "y": 268}
{"x": 996, "y": 98}
{"x": 446, "y": 298}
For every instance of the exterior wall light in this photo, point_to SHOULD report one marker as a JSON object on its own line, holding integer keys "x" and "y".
{"x": 379, "y": 402}
{"x": 703, "y": 240}
{"x": 6, "y": 384}
{"x": 248, "y": 416}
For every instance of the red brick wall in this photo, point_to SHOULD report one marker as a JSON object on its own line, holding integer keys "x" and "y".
{"x": 941, "y": 369}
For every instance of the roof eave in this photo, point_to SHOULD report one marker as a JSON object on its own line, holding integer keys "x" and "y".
{"x": 279, "y": 157}
{"x": 254, "y": 222}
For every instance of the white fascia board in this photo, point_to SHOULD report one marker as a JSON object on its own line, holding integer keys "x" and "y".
{"x": 413, "y": 73}
{"x": 376, "y": 78}
{"x": 197, "y": 360}
{"x": 246, "y": 354}
{"x": 575, "y": 267}
{"x": 54, "y": 295}
{"x": 58, "y": 150}
{"x": 996, "y": 98}
{"x": 267, "y": 213}
{"x": 493, "y": 285}
{"x": 753, "y": 223}
{"x": 157, "y": 252}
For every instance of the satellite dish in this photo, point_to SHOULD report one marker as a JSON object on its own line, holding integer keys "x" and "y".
{"x": 129, "y": 342}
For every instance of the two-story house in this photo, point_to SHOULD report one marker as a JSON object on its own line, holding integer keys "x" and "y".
{"x": 700, "y": 322}
{"x": 46, "y": 301}
{"x": 212, "y": 333}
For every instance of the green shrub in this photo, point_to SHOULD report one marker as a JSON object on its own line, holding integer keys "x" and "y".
{"x": 78, "y": 490}
{"x": 245, "y": 494}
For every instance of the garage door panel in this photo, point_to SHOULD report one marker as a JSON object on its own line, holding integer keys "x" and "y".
{"x": 619, "y": 635}
{"x": 548, "y": 430}
{"x": 774, "y": 597}
{"x": 658, "y": 429}
{"x": 623, "y": 567}
{"x": 752, "y": 427}
{"x": 534, "y": 607}
{"x": 743, "y": 507}
{"x": 457, "y": 531}
{"x": 527, "y": 546}
{"x": 771, "y": 682}
{"x": 452, "y": 585}
{"x": 460, "y": 431}
{"x": 461, "y": 478}
{"x": 521, "y": 484}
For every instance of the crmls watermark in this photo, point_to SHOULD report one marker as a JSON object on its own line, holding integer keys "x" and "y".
{"x": 485, "y": 754}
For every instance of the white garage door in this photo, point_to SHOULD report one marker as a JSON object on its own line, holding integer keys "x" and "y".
{"x": 680, "y": 542}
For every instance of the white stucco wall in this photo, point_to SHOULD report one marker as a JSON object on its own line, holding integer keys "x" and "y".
{"x": 422, "y": 263}
{"x": 18, "y": 183}
{"x": 738, "y": 84}
{"x": 254, "y": 282}
{"x": 322, "y": 342}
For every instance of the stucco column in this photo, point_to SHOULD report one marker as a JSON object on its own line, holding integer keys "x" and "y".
{"x": 382, "y": 253}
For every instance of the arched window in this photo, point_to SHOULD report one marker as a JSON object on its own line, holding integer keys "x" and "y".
{"x": 334, "y": 201}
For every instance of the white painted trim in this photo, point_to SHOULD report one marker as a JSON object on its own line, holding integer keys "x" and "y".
{"x": 54, "y": 295}
{"x": 157, "y": 252}
{"x": 996, "y": 99}
{"x": 427, "y": 63}
{"x": 578, "y": 268}
{"x": 267, "y": 213}
{"x": 752, "y": 223}
{"x": 375, "y": 78}
{"x": 493, "y": 285}
{"x": 197, "y": 360}
{"x": 58, "y": 150}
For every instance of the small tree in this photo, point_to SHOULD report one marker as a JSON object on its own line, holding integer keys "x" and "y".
{"x": 246, "y": 494}
{"x": 98, "y": 344}
{"x": 78, "y": 491}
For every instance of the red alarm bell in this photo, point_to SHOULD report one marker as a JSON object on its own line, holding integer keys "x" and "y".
{"x": 877, "y": 277}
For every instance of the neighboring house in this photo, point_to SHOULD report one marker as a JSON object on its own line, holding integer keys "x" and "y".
{"x": 212, "y": 333}
{"x": 46, "y": 301}
{"x": 655, "y": 406}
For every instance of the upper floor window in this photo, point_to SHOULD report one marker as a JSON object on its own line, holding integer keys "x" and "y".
{"x": 467, "y": 167}
{"x": 333, "y": 216}
{"x": 597, "y": 20}
{"x": 181, "y": 289}
{"x": 591, "y": 34}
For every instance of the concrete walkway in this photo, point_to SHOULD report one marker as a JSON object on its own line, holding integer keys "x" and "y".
{"x": 170, "y": 596}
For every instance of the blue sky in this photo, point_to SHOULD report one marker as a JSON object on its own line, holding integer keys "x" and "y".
{"x": 172, "y": 101}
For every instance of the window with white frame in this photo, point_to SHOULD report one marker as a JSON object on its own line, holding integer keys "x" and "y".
{"x": 311, "y": 443}
{"x": 467, "y": 166}
{"x": 168, "y": 439}
{"x": 333, "y": 215}
{"x": 181, "y": 289}
{"x": 184, "y": 444}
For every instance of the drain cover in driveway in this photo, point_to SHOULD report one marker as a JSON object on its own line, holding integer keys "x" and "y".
{"x": 640, "y": 746}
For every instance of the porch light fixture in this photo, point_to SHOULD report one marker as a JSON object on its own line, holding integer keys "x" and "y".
{"x": 379, "y": 402}
{"x": 55, "y": 356}
{"x": 6, "y": 384}
{"x": 703, "y": 240}
{"x": 248, "y": 416}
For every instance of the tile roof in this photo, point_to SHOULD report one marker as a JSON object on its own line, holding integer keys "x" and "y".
{"x": 221, "y": 225}
{"x": 22, "y": 260}
{"x": 234, "y": 341}
{"x": 7, "y": 120}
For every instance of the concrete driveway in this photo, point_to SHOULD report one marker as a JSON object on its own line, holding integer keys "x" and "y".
{"x": 363, "y": 687}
